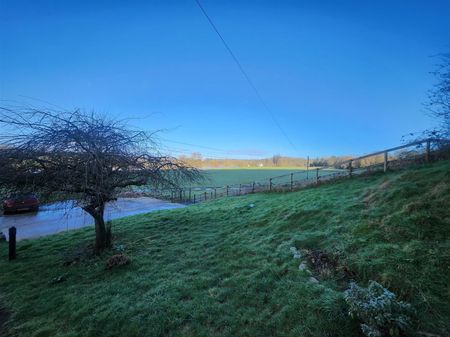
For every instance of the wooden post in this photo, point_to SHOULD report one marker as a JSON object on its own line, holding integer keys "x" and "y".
{"x": 427, "y": 155}
{"x": 307, "y": 168}
{"x": 292, "y": 181}
{"x": 227, "y": 190}
{"x": 206, "y": 193}
{"x": 270, "y": 184}
{"x": 253, "y": 187}
{"x": 385, "y": 161}
{"x": 194, "y": 198}
{"x": 181, "y": 195}
{"x": 12, "y": 243}
{"x": 350, "y": 168}
{"x": 240, "y": 185}
{"x": 215, "y": 193}
{"x": 189, "y": 194}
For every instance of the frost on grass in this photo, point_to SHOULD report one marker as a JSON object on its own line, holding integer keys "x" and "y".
{"x": 303, "y": 267}
{"x": 380, "y": 313}
{"x": 77, "y": 254}
{"x": 313, "y": 280}
{"x": 58, "y": 279}
{"x": 296, "y": 253}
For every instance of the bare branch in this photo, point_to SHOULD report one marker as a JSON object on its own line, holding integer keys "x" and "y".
{"x": 85, "y": 157}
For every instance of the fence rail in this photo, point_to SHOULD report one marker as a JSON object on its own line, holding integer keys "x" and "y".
{"x": 420, "y": 151}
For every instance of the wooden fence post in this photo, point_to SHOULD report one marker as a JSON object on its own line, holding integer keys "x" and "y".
{"x": 253, "y": 187}
{"x": 350, "y": 168}
{"x": 215, "y": 193}
{"x": 189, "y": 194}
{"x": 227, "y": 190}
{"x": 427, "y": 155}
{"x": 206, "y": 193}
{"x": 181, "y": 195}
{"x": 12, "y": 243}
{"x": 317, "y": 175}
{"x": 292, "y": 181}
{"x": 307, "y": 168}
{"x": 194, "y": 198}
{"x": 270, "y": 184}
{"x": 385, "y": 161}
{"x": 240, "y": 185}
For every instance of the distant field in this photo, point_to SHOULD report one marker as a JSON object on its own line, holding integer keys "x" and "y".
{"x": 216, "y": 181}
{"x": 223, "y": 177}
{"x": 220, "y": 178}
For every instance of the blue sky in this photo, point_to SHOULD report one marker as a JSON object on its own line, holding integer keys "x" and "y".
{"x": 341, "y": 77}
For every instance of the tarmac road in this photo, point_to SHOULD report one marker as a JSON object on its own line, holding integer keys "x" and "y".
{"x": 59, "y": 217}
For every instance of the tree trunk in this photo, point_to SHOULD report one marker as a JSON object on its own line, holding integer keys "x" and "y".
{"x": 108, "y": 233}
{"x": 101, "y": 235}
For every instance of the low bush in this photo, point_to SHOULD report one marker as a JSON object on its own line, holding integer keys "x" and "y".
{"x": 379, "y": 311}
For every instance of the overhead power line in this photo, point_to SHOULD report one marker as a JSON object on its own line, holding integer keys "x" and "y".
{"x": 186, "y": 153}
{"x": 214, "y": 150}
{"x": 245, "y": 74}
{"x": 196, "y": 146}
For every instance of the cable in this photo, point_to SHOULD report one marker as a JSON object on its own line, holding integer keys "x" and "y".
{"x": 215, "y": 151}
{"x": 244, "y": 73}
{"x": 205, "y": 155}
{"x": 195, "y": 145}
{"x": 187, "y": 153}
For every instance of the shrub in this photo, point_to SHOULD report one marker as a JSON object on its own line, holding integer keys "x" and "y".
{"x": 379, "y": 311}
{"x": 117, "y": 260}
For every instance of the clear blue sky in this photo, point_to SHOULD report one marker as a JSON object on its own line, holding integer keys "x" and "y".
{"x": 342, "y": 77}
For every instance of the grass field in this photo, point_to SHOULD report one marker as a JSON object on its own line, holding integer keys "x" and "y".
{"x": 223, "y": 268}
{"x": 220, "y": 178}
{"x": 223, "y": 177}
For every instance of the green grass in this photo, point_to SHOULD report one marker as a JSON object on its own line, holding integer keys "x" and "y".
{"x": 223, "y": 268}
{"x": 223, "y": 177}
{"x": 218, "y": 179}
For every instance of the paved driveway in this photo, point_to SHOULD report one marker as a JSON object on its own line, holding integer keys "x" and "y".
{"x": 61, "y": 217}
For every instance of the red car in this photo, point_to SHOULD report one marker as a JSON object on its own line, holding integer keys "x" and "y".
{"x": 20, "y": 202}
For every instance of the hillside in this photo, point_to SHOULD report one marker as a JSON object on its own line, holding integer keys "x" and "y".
{"x": 224, "y": 268}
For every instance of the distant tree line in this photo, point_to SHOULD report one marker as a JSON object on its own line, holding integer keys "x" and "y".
{"x": 196, "y": 160}
{"x": 338, "y": 162}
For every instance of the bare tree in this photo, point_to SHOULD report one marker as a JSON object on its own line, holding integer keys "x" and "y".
{"x": 84, "y": 157}
{"x": 276, "y": 159}
{"x": 439, "y": 97}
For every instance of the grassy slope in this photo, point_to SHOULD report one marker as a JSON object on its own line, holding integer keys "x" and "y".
{"x": 224, "y": 269}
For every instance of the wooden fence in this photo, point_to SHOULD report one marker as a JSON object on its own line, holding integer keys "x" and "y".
{"x": 420, "y": 151}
